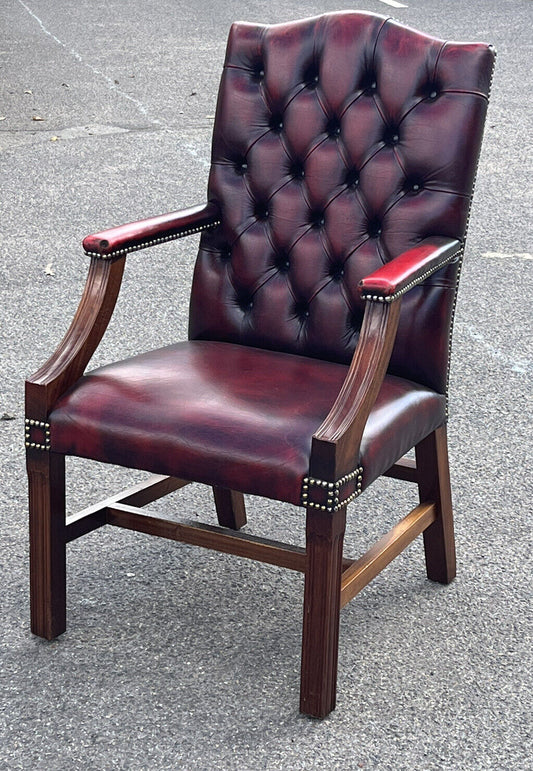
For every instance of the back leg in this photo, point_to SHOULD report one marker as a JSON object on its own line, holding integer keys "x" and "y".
{"x": 231, "y": 511}
{"x": 434, "y": 485}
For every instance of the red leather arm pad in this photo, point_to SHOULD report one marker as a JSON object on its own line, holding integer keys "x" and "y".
{"x": 155, "y": 230}
{"x": 409, "y": 268}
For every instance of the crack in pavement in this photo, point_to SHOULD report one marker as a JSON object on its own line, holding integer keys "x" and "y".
{"x": 109, "y": 81}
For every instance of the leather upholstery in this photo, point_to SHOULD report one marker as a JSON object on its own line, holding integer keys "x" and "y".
{"x": 229, "y": 415}
{"x": 344, "y": 147}
{"x": 340, "y": 142}
{"x": 154, "y": 230}
{"x": 410, "y": 268}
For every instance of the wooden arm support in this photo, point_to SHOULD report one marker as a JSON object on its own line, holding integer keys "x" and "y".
{"x": 90, "y": 322}
{"x": 108, "y": 250}
{"x": 335, "y": 446}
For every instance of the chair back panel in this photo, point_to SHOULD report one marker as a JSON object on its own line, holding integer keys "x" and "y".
{"x": 339, "y": 142}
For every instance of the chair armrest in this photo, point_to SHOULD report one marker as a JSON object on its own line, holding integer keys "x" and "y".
{"x": 72, "y": 355}
{"x": 412, "y": 267}
{"x": 115, "y": 242}
{"x": 335, "y": 445}
{"x": 107, "y": 251}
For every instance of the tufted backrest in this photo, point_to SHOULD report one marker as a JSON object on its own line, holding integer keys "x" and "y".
{"x": 339, "y": 142}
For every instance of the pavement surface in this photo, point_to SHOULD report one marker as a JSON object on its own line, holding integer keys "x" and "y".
{"x": 177, "y": 658}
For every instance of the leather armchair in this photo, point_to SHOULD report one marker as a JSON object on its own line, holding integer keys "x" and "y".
{"x": 343, "y": 160}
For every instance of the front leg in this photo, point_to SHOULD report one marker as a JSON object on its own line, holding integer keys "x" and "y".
{"x": 46, "y": 477}
{"x": 320, "y": 642}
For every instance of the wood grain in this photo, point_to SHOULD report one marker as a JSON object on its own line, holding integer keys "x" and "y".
{"x": 404, "y": 469}
{"x": 363, "y": 570}
{"x": 230, "y": 506}
{"x": 320, "y": 638}
{"x": 93, "y": 517}
{"x": 434, "y": 484}
{"x": 209, "y": 536}
{"x": 46, "y": 477}
{"x": 70, "y": 359}
{"x": 335, "y": 445}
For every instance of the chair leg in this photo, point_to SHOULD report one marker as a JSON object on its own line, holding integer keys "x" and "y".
{"x": 320, "y": 640}
{"x": 46, "y": 477}
{"x": 434, "y": 485}
{"x": 231, "y": 511}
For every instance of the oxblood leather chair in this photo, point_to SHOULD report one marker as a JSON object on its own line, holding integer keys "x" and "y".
{"x": 343, "y": 160}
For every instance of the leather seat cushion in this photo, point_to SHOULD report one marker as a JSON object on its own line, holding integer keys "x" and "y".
{"x": 230, "y": 415}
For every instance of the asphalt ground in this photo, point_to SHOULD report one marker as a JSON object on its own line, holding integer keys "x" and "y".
{"x": 177, "y": 658}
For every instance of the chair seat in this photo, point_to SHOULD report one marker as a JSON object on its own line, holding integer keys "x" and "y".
{"x": 229, "y": 415}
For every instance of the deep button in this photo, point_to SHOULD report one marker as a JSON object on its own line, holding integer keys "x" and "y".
{"x": 261, "y": 211}
{"x": 371, "y": 86}
{"x": 282, "y": 262}
{"x": 337, "y": 271}
{"x": 391, "y": 136}
{"x": 245, "y": 302}
{"x": 258, "y": 72}
{"x": 318, "y": 219}
{"x": 311, "y": 76}
{"x": 241, "y": 167}
{"x": 351, "y": 178}
{"x": 374, "y": 228}
{"x": 225, "y": 253}
{"x": 432, "y": 91}
{"x": 297, "y": 170}
{"x": 301, "y": 310}
{"x": 276, "y": 123}
{"x": 333, "y": 128}
{"x": 413, "y": 185}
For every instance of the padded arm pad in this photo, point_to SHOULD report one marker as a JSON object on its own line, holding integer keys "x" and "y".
{"x": 408, "y": 269}
{"x": 155, "y": 230}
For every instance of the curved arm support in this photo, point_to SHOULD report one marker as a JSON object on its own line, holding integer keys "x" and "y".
{"x": 410, "y": 268}
{"x": 116, "y": 242}
{"x": 107, "y": 250}
{"x": 335, "y": 446}
{"x": 68, "y": 362}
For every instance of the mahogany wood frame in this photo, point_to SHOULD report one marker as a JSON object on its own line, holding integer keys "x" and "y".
{"x": 330, "y": 580}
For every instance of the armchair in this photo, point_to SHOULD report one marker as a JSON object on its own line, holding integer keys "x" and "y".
{"x": 343, "y": 160}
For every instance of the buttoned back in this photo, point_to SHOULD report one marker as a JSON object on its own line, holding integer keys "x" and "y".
{"x": 339, "y": 142}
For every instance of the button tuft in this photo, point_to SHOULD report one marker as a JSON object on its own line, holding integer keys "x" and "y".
{"x": 317, "y": 219}
{"x": 261, "y": 211}
{"x": 351, "y": 178}
{"x": 297, "y": 171}
{"x": 333, "y": 128}
{"x": 301, "y": 310}
{"x": 276, "y": 123}
{"x": 282, "y": 262}
{"x": 337, "y": 271}
{"x": 374, "y": 228}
